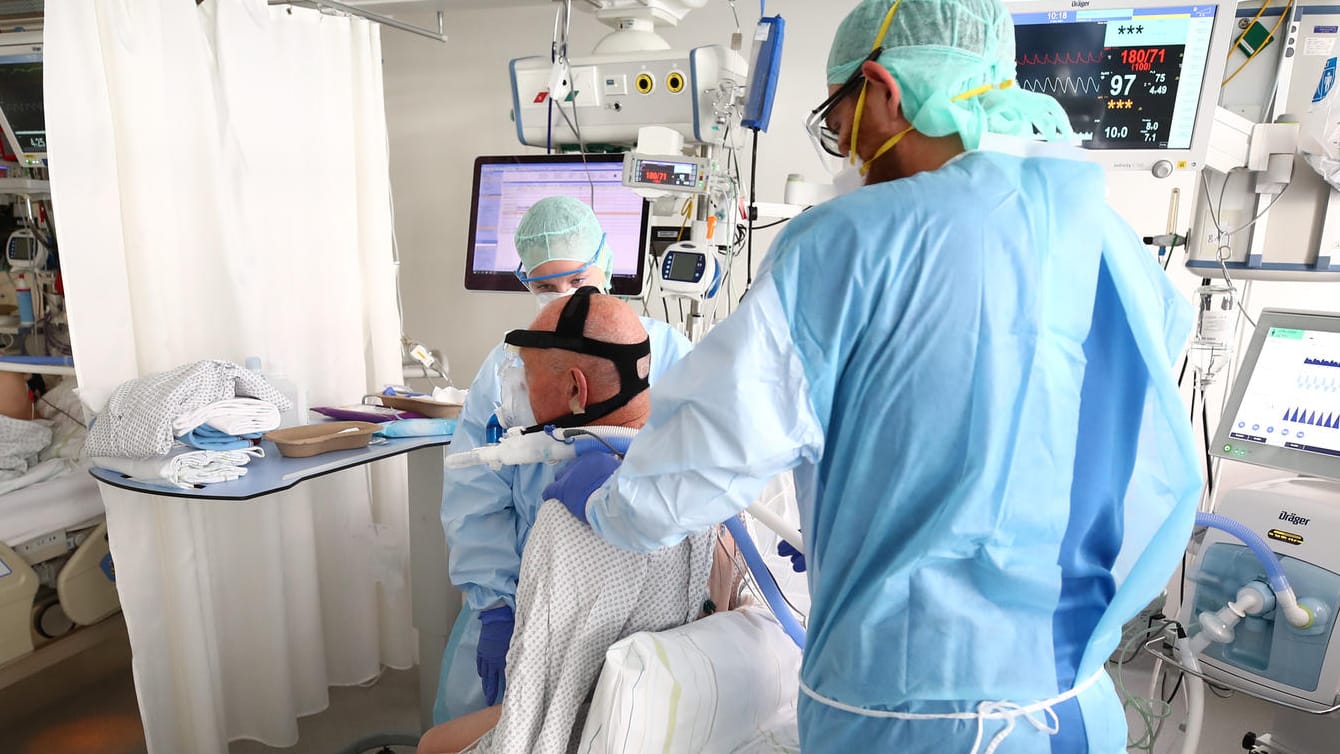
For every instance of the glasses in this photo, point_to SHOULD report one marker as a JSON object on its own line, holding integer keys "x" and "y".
{"x": 824, "y": 138}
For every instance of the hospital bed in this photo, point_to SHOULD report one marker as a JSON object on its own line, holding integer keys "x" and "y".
{"x": 53, "y": 540}
{"x": 56, "y": 573}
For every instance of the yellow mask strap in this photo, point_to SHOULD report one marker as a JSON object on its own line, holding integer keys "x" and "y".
{"x": 983, "y": 89}
{"x": 890, "y": 144}
{"x": 884, "y": 27}
{"x": 860, "y": 101}
{"x": 856, "y": 125}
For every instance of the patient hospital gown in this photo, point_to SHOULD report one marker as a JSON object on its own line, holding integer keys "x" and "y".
{"x": 577, "y": 596}
{"x": 487, "y": 515}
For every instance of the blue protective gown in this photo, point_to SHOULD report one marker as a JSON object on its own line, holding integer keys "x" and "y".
{"x": 971, "y": 372}
{"x": 487, "y": 516}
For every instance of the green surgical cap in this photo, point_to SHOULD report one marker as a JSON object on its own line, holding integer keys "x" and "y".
{"x": 561, "y": 228}
{"x": 939, "y": 49}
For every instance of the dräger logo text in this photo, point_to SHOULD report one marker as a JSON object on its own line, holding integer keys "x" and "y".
{"x": 1293, "y": 518}
{"x": 1079, "y": 3}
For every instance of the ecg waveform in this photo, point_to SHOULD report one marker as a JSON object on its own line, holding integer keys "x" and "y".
{"x": 1061, "y": 84}
{"x": 1068, "y": 58}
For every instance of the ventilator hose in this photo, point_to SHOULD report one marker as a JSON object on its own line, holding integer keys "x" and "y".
{"x": 1278, "y": 581}
{"x": 766, "y": 584}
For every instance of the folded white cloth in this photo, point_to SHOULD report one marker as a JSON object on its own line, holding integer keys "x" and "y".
{"x": 235, "y": 416}
{"x": 576, "y": 596}
{"x": 185, "y": 470}
{"x": 137, "y": 421}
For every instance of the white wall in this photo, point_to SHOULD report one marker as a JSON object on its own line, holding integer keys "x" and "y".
{"x": 448, "y": 103}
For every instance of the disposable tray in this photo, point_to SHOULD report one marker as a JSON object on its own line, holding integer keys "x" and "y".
{"x": 324, "y": 437}
{"x": 426, "y": 406}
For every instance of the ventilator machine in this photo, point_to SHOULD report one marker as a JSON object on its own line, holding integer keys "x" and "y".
{"x": 1263, "y": 589}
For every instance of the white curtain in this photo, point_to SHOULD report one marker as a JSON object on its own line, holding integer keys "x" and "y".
{"x": 221, "y": 189}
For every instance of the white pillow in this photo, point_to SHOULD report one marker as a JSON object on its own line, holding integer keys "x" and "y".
{"x": 726, "y": 683}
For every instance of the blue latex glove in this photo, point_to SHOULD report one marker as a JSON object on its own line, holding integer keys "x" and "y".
{"x": 495, "y": 636}
{"x": 785, "y": 549}
{"x": 574, "y": 485}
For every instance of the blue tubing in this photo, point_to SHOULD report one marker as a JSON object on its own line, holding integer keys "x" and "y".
{"x": 1274, "y": 570}
{"x": 587, "y": 444}
{"x": 763, "y": 577}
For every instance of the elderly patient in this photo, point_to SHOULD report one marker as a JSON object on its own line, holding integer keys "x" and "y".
{"x": 585, "y": 362}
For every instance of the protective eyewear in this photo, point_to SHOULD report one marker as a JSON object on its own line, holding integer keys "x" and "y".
{"x": 595, "y": 258}
{"x": 825, "y": 139}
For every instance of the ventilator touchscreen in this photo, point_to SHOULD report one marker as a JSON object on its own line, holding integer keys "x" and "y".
{"x": 1285, "y": 408}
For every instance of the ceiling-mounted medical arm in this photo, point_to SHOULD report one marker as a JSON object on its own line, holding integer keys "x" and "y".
{"x": 440, "y": 35}
{"x": 659, "y": 12}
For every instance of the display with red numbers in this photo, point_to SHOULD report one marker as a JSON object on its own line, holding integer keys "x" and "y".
{"x": 1137, "y": 94}
{"x": 667, "y": 173}
{"x": 1143, "y": 58}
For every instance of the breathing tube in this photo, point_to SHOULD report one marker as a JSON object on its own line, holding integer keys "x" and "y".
{"x": 766, "y": 584}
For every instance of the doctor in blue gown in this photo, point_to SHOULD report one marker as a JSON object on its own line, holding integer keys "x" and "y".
{"x": 968, "y": 362}
{"x": 487, "y": 514}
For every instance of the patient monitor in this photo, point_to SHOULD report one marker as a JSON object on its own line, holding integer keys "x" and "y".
{"x": 1139, "y": 79}
{"x": 22, "y": 116}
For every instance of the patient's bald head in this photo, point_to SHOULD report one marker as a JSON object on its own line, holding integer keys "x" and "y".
{"x": 563, "y": 382}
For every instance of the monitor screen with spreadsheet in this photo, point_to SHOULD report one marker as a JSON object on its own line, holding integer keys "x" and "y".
{"x": 505, "y": 187}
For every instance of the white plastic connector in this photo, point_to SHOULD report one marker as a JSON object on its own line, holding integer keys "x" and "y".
{"x": 1297, "y": 615}
{"x": 1253, "y": 599}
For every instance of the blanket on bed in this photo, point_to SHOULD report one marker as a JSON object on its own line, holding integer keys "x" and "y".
{"x": 20, "y": 442}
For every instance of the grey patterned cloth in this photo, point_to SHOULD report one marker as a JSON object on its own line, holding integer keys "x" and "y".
{"x": 20, "y": 442}
{"x": 137, "y": 421}
{"x": 576, "y": 596}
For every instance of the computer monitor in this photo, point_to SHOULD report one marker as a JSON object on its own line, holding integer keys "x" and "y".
{"x": 1138, "y": 78}
{"x": 22, "y": 115}
{"x": 1284, "y": 410}
{"x": 505, "y": 187}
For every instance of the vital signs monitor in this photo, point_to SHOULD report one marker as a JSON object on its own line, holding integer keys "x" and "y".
{"x": 1139, "y": 79}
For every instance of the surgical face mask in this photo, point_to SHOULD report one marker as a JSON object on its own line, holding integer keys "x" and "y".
{"x": 514, "y": 409}
{"x": 849, "y": 178}
{"x": 549, "y": 297}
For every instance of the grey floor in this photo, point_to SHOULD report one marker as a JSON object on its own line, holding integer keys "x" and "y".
{"x": 86, "y": 704}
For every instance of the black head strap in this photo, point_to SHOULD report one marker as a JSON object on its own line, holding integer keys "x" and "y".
{"x": 568, "y": 336}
